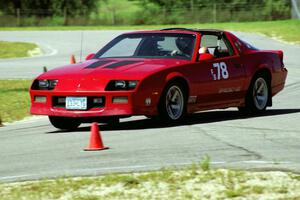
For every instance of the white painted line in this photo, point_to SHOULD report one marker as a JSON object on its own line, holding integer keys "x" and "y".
{"x": 141, "y": 167}
{"x": 177, "y": 164}
{"x": 266, "y": 162}
{"x": 14, "y": 177}
{"x": 53, "y": 51}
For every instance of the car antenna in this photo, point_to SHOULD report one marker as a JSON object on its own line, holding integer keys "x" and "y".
{"x": 81, "y": 43}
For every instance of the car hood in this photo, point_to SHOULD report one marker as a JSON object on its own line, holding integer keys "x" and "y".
{"x": 100, "y": 71}
{"x": 112, "y": 68}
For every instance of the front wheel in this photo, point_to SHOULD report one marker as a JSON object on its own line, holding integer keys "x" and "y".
{"x": 257, "y": 96}
{"x": 112, "y": 121}
{"x": 172, "y": 105}
{"x": 64, "y": 123}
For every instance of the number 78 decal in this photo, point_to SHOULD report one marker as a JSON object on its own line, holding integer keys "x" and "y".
{"x": 219, "y": 71}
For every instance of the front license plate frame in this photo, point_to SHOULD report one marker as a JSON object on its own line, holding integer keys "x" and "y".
{"x": 76, "y": 103}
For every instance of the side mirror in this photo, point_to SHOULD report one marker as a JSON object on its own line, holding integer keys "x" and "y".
{"x": 90, "y": 56}
{"x": 205, "y": 56}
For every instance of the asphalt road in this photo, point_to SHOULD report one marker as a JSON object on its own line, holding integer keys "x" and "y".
{"x": 33, "y": 149}
{"x": 57, "y": 47}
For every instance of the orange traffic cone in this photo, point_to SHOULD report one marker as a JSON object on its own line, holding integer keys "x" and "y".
{"x": 96, "y": 143}
{"x": 72, "y": 61}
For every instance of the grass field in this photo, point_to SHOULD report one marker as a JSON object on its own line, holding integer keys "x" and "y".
{"x": 14, "y": 99}
{"x": 288, "y": 30}
{"x": 195, "y": 182}
{"x": 15, "y": 49}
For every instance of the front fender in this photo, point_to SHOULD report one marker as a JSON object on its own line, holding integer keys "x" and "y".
{"x": 173, "y": 75}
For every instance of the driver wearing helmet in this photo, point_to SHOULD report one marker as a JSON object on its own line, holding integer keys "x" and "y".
{"x": 185, "y": 45}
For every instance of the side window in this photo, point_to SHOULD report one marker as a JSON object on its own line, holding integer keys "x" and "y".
{"x": 225, "y": 44}
{"x": 209, "y": 41}
{"x": 238, "y": 45}
{"x": 219, "y": 47}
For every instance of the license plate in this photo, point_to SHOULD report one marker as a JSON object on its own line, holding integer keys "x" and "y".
{"x": 76, "y": 103}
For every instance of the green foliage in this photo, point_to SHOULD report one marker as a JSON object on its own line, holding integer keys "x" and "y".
{"x": 73, "y": 7}
{"x": 15, "y": 49}
{"x": 231, "y": 193}
{"x": 146, "y": 14}
{"x": 277, "y": 9}
{"x": 258, "y": 189}
{"x": 139, "y": 12}
{"x": 44, "y": 8}
{"x": 14, "y": 99}
{"x": 183, "y": 11}
{"x": 205, "y": 163}
{"x": 113, "y": 12}
{"x": 213, "y": 184}
{"x": 130, "y": 181}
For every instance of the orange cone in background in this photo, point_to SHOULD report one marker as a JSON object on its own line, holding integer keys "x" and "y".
{"x": 96, "y": 143}
{"x": 72, "y": 61}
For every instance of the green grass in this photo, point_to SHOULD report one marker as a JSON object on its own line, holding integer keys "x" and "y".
{"x": 15, "y": 49}
{"x": 205, "y": 163}
{"x": 189, "y": 183}
{"x": 14, "y": 99}
{"x": 288, "y": 30}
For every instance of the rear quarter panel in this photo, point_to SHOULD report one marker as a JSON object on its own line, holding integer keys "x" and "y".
{"x": 270, "y": 60}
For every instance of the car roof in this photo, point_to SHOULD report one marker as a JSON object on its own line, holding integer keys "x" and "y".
{"x": 193, "y": 30}
{"x": 185, "y": 30}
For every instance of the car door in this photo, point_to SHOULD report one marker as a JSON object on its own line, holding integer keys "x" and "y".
{"x": 220, "y": 79}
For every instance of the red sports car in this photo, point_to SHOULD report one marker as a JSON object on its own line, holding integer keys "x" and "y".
{"x": 166, "y": 73}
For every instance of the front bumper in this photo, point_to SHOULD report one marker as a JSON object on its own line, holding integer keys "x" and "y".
{"x": 108, "y": 109}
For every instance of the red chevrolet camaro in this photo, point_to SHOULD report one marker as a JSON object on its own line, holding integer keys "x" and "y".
{"x": 166, "y": 73}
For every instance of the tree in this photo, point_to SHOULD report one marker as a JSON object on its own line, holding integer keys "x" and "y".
{"x": 57, "y": 7}
{"x": 74, "y": 7}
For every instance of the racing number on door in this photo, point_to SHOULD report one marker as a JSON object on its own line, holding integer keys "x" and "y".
{"x": 219, "y": 71}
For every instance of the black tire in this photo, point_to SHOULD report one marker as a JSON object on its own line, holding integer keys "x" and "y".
{"x": 258, "y": 96}
{"x": 112, "y": 121}
{"x": 178, "y": 101}
{"x": 150, "y": 116}
{"x": 64, "y": 123}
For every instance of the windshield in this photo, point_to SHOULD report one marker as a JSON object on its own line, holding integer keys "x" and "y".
{"x": 150, "y": 45}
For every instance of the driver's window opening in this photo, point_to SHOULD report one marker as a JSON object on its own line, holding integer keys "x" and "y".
{"x": 216, "y": 46}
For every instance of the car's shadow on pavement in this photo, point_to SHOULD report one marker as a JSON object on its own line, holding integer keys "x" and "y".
{"x": 197, "y": 118}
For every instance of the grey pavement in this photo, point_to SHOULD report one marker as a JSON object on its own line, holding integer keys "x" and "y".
{"x": 57, "y": 47}
{"x": 32, "y": 149}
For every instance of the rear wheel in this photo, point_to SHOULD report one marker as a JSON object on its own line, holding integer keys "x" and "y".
{"x": 172, "y": 105}
{"x": 64, "y": 123}
{"x": 258, "y": 95}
